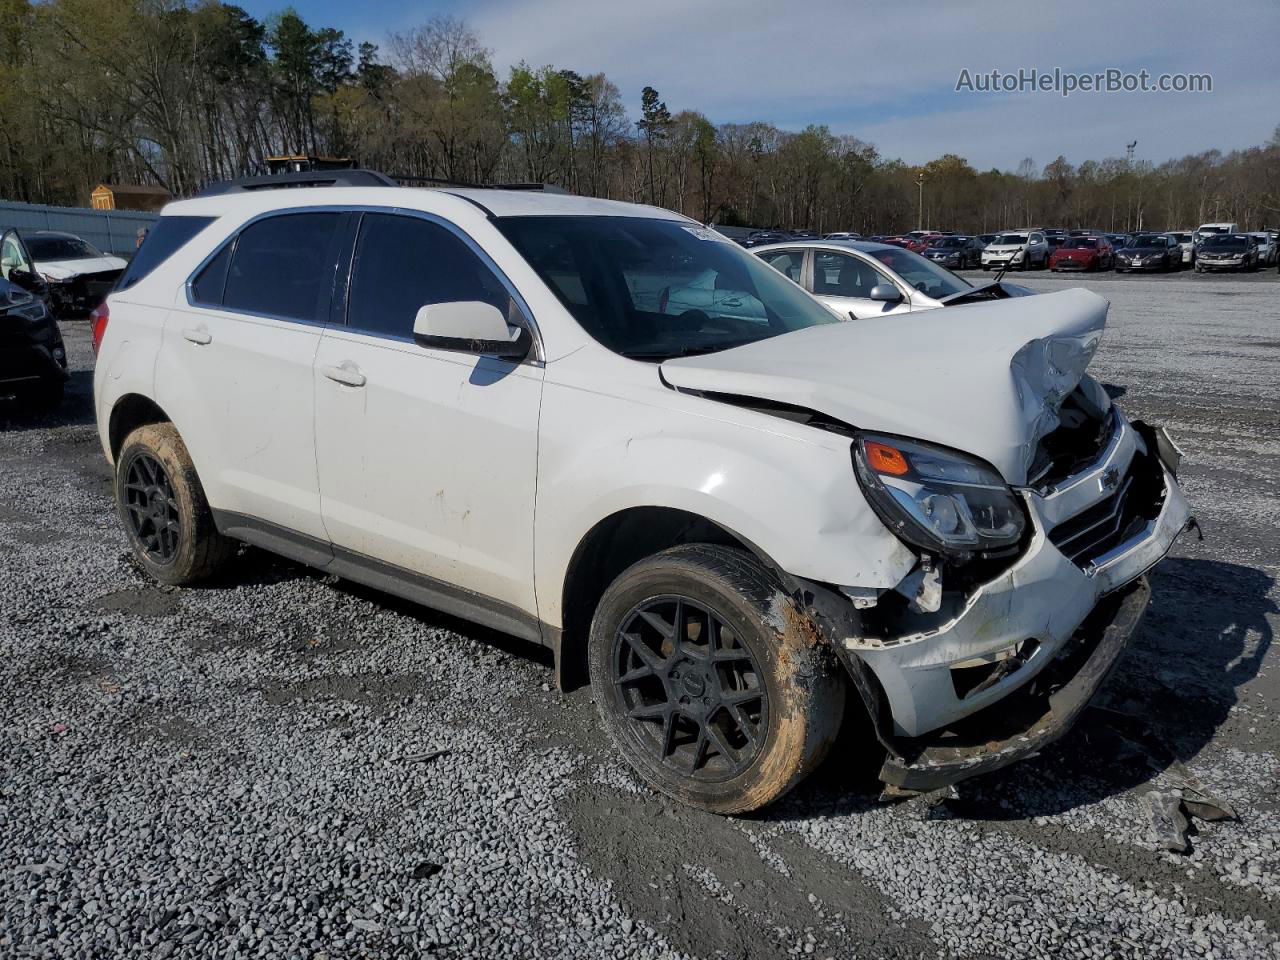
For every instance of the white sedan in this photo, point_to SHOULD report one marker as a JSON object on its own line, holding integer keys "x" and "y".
{"x": 860, "y": 279}
{"x": 78, "y": 273}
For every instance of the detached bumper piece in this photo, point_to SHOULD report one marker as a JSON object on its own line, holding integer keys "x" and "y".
{"x": 1026, "y": 722}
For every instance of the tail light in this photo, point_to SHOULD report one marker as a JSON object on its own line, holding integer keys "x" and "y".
{"x": 98, "y": 323}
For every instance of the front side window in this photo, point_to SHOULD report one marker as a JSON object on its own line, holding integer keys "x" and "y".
{"x": 405, "y": 263}
{"x": 280, "y": 267}
{"x": 922, "y": 274}
{"x": 842, "y": 275}
{"x": 653, "y": 289}
{"x": 11, "y": 256}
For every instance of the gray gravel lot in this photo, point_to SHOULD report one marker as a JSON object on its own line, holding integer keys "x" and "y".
{"x": 251, "y": 768}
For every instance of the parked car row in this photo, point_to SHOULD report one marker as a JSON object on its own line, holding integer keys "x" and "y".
{"x": 1063, "y": 250}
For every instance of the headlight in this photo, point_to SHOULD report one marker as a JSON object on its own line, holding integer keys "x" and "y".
{"x": 1018, "y": 254}
{"x": 15, "y": 297}
{"x": 939, "y": 500}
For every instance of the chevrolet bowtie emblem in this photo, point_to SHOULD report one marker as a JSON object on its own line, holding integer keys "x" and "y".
{"x": 1110, "y": 479}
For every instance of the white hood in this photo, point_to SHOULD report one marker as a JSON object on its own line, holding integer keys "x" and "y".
{"x": 984, "y": 378}
{"x": 66, "y": 269}
{"x": 1003, "y": 247}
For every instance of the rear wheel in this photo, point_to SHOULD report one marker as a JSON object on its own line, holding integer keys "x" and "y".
{"x": 710, "y": 682}
{"x": 164, "y": 510}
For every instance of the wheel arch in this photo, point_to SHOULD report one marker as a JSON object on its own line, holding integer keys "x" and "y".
{"x": 128, "y": 413}
{"x": 609, "y": 547}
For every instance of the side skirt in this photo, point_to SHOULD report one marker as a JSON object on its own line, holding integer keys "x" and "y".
{"x": 414, "y": 587}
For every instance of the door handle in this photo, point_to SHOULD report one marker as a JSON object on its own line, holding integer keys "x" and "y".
{"x": 346, "y": 373}
{"x": 197, "y": 335}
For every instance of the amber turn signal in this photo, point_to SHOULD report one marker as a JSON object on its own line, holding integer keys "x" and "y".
{"x": 883, "y": 458}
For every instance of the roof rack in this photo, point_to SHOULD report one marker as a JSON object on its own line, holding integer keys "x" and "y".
{"x": 307, "y": 178}
{"x": 355, "y": 178}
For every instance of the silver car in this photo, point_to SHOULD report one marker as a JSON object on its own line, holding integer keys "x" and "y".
{"x": 1266, "y": 247}
{"x": 1187, "y": 241}
{"x": 859, "y": 279}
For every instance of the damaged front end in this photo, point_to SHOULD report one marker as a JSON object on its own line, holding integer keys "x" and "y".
{"x": 1033, "y": 506}
{"x": 967, "y": 667}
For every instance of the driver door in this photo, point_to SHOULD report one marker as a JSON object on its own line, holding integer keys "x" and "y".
{"x": 844, "y": 282}
{"x": 17, "y": 267}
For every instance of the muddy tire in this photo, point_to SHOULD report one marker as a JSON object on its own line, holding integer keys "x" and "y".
{"x": 709, "y": 680}
{"x": 163, "y": 508}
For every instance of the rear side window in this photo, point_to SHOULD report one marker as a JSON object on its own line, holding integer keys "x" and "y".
{"x": 279, "y": 267}
{"x": 405, "y": 263}
{"x": 163, "y": 240}
{"x": 212, "y": 280}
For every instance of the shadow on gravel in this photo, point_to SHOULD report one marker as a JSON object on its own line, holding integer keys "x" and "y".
{"x": 711, "y": 889}
{"x": 75, "y": 410}
{"x": 1205, "y": 635}
{"x": 443, "y": 621}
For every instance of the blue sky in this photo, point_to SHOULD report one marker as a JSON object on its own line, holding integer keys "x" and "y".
{"x": 886, "y": 72}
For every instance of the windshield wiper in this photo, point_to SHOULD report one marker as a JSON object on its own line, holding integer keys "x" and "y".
{"x": 689, "y": 350}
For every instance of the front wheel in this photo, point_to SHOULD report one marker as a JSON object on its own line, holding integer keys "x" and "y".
{"x": 163, "y": 508}
{"x": 713, "y": 686}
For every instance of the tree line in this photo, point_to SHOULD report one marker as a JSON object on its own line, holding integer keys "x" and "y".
{"x": 178, "y": 94}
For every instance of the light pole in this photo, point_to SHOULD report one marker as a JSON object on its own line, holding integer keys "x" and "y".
{"x": 920, "y": 202}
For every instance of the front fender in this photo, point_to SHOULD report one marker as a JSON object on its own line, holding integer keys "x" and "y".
{"x": 788, "y": 489}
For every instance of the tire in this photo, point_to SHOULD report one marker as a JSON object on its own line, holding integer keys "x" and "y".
{"x": 789, "y": 689}
{"x": 164, "y": 511}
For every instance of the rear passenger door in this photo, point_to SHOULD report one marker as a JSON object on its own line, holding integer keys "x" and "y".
{"x": 235, "y": 371}
{"x": 427, "y": 457}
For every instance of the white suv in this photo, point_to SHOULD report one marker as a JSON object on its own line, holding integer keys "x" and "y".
{"x": 487, "y": 401}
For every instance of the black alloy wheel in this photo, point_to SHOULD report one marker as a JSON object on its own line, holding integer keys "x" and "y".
{"x": 152, "y": 508}
{"x": 693, "y": 691}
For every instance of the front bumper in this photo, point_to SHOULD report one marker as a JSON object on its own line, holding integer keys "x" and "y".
{"x": 1067, "y": 263}
{"x": 1221, "y": 264}
{"x": 1094, "y": 536}
{"x": 1028, "y": 722}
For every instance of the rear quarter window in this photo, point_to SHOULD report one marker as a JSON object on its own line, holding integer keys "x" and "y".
{"x": 163, "y": 240}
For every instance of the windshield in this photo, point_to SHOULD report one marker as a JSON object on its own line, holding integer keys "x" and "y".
{"x": 1011, "y": 238}
{"x": 1225, "y": 243}
{"x": 1182, "y": 237}
{"x": 949, "y": 242}
{"x": 922, "y": 274}
{"x": 1147, "y": 240}
{"x": 1080, "y": 243}
{"x": 54, "y": 247}
{"x": 654, "y": 289}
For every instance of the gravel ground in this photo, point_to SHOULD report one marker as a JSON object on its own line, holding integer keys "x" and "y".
{"x": 287, "y": 765}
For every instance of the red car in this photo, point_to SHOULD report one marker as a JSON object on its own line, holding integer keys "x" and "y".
{"x": 1083, "y": 253}
{"x": 910, "y": 243}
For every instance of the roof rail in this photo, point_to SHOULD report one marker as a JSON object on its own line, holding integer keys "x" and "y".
{"x": 307, "y": 178}
{"x": 355, "y": 178}
{"x": 408, "y": 180}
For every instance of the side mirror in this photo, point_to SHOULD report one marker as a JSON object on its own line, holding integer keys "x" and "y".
{"x": 886, "y": 293}
{"x": 469, "y": 326}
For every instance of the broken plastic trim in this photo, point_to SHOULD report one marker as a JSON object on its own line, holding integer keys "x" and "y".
{"x": 1023, "y": 724}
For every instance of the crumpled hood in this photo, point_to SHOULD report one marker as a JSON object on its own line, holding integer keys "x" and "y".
{"x": 66, "y": 269}
{"x": 984, "y": 378}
